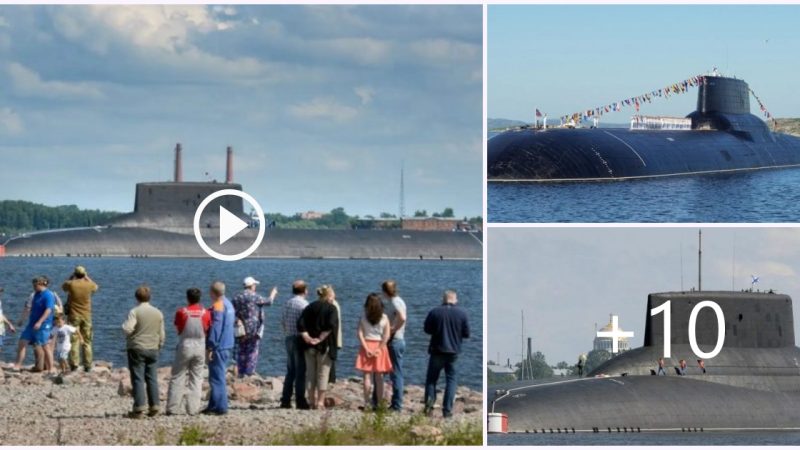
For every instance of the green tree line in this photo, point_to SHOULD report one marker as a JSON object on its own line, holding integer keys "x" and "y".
{"x": 338, "y": 219}
{"x": 538, "y": 368}
{"x": 18, "y": 216}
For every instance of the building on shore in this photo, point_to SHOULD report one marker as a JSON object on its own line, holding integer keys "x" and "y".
{"x": 606, "y": 344}
{"x": 311, "y": 215}
{"x": 435, "y": 224}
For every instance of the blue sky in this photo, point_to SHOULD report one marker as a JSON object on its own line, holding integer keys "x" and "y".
{"x": 566, "y": 280}
{"x": 321, "y": 104}
{"x": 563, "y": 59}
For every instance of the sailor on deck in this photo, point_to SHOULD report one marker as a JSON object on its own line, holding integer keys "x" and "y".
{"x": 661, "y": 370}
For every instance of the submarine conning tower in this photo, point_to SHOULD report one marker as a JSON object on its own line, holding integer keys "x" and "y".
{"x": 183, "y": 197}
{"x": 759, "y": 338}
{"x": 752, "y": 319}
{"x": 171, "y": 205}
{"x": 724, "y": 104}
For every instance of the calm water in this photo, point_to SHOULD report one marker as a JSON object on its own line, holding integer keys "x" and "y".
{"x": 421, "y": 284}
{"x": 760, "y": 196}
{"x": 652, "y": 438}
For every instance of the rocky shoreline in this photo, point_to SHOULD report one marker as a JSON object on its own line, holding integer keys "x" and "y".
{"x": 90, "y": 409}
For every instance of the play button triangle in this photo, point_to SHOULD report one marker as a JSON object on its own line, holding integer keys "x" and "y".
{"x": 229, "y": 225}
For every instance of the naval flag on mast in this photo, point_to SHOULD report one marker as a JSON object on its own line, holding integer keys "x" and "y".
{"x": 538, "y": 113}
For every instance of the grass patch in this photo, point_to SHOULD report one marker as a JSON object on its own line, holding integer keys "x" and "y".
{"x": 194, "y": 435}
{"x": 379, "y": 428}
{"x": 160, "y": 436}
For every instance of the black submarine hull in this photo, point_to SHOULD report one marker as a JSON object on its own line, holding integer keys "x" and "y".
{"x": 752, "y": 383}
{"x": 724, "y": 137}
{"x": 616, "y": 154}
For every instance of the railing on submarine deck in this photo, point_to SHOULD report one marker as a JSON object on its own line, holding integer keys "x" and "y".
{"x": 660, "y": 123}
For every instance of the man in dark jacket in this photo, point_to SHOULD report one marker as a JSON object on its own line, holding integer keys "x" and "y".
{"x": 448, "y": 326}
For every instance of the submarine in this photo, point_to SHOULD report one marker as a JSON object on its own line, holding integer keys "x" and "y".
{"x": 753, "y": 383}
{"x": 720, "y": 136}
{"x": 161, "y": 226}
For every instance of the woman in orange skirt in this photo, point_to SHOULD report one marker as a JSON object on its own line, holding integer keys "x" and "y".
{"x": 373, "y": 358}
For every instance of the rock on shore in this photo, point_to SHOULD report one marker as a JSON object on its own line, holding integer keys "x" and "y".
{"x": 90, "y": 409}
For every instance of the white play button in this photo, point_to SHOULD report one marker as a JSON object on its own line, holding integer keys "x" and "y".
{"x": 229, "y": 225}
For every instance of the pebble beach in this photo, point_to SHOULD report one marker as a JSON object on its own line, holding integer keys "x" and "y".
{"x": 89, "y": 408}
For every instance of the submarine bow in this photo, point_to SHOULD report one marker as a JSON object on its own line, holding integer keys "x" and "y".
{"x": 724, "y": 137}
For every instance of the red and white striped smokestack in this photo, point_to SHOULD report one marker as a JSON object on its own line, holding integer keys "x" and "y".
{"x": 178, "y": 165}
{"x": 229, "y": 166}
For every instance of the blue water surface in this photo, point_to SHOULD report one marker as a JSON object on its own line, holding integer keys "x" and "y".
{"x": 762, "y": 196}
{"x": 420, "y": 283}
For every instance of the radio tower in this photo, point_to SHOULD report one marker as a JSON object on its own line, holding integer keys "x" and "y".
{"x": 402, "y": 191}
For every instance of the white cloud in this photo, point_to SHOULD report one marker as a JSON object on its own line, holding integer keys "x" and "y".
{"x": 365, "y": 51}
{"x": 336, "y": 19}
{"x": 444, "y": 51}
{"x": 166, "y": 27}
{"x": 163, "y": 34}
{"x": 338, "y": 165}
{"x": 226, "y": 10}
{"x": 10, "y": 122}
{"x": 365, "y": 93}
{"x": 28, "y": 82}
{"x": 323, "y": 108}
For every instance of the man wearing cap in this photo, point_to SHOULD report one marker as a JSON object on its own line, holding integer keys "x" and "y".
{"x": 79, "y": 288}
{"x": 249, "y": 313}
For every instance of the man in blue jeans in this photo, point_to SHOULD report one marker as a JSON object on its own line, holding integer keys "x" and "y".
{"x": 448, "y": 326}
{"x": 295, "y": 360}
{"x": 219, "y": 345}
{"x": 395, "y": 309}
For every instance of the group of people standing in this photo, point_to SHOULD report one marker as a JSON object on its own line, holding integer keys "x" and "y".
{"x": 312, "y": 346}
{"x": 232, "y": 330}
{"x": 58, "y": 331}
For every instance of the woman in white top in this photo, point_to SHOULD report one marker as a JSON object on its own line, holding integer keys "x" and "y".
{"x": 373, "y": 358}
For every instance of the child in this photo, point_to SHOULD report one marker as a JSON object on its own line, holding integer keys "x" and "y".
{"x": 373, "y": 358}
{"x": 4, "y": 322}
{"x": 63, "y": 333}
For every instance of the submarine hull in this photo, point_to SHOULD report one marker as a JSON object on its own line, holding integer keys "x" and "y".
{"x": 752, "y": 383}
{"x": 646, "y": 403}
{"x": 278, "y": 243}
{"x": 615, "y": 153}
